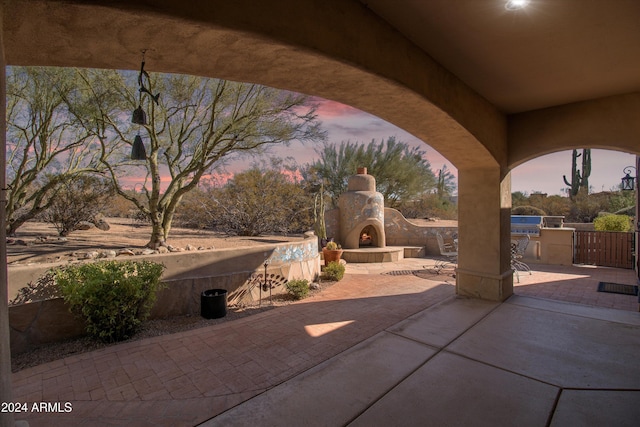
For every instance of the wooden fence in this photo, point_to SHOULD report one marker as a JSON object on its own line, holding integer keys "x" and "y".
{"x": 605, "y": 248}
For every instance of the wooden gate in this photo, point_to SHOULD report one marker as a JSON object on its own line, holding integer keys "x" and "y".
{"x": 605, "y": 248}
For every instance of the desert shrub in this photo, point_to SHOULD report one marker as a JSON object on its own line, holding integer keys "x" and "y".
{"x": 118, "y": 207}
{"x": 430, "y": 205}
{"x": 527, "y": 210}
{"x": 78, "y": 200}
{"x": 298, "y": 288}
{"x": 113, "y": 297}
{"x": 334, "y": 271}
{"x": 198, "y": 209}
{"x": 257, "y": 202}
{"x": 612, "y": 223}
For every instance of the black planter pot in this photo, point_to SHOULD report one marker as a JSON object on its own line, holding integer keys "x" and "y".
{"x": 213, "y": 303}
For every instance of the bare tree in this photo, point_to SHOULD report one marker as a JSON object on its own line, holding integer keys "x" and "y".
{"x": 191, "y": 129}
{"x": 45, "y": 144}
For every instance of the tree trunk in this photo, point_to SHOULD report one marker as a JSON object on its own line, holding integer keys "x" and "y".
{"x": 157, "y": 236}
{"x": 11, "y": 229}
{"x": 13, "y": 225}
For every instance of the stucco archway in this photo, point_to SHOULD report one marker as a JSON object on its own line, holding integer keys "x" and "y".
{"x": 336, "y": 50}
{"x": 608, "y": 123}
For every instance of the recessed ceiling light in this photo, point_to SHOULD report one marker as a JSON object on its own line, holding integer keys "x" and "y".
{"x": 516, "y": 4}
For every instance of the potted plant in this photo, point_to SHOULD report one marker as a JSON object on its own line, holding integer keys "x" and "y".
{"x": 331, "y": 252}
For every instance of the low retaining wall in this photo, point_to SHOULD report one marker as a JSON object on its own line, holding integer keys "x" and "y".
{"x": 399, "y": 231}
{"x": 187, "y": 275}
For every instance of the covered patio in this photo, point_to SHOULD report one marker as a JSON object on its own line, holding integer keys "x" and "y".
{"x": 381, "y": 346}
{"x": 487, "y": 87}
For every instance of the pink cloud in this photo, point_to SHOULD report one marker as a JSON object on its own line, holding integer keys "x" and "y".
{"x": 217, "y": 179}
{"x": 292, "y": 176}
{"x": 328, "y": 109}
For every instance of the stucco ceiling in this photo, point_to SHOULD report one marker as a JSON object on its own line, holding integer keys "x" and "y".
{"x": 551, "y": 53}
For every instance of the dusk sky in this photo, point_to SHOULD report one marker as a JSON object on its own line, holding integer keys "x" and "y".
{"x": 543, "y": 174}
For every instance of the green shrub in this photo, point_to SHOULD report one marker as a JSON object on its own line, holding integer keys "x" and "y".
{"x": 113, "y": 297}
{"x": 334, "y": 271}
{"x": 298, "y": 288}
{"x": 612, "y": 223}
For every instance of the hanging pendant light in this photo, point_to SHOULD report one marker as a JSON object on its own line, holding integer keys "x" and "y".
{"x": 139, "y": 116}
{"x": 138, "y": 151}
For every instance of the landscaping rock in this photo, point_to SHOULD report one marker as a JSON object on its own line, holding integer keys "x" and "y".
{"x": 84, "y": 225}
{"x": 101, "y": 223}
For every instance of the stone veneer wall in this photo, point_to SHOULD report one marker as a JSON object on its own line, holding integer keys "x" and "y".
{"x": 187, "y": 275}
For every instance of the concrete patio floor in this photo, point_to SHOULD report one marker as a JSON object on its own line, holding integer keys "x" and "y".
{"x": 381, "y": 347}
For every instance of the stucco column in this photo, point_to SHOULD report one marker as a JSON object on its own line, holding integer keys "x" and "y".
{"x": 6, "y": 419}
{"x": 484, "y": 216}
{"x": 637, "y": 221}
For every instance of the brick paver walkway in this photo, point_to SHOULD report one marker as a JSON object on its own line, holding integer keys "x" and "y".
{"x": 577, "y": 284}
{"x": 186, "y": 378}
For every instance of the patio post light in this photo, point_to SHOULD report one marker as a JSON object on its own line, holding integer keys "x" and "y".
{"x": 628, "y": 181}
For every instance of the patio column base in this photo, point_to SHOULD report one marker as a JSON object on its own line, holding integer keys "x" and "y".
{"x": 477, "y": 284}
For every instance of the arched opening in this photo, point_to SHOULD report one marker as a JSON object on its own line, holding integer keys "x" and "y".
{"x": 278, "y": 46}
{"x": 305, "y": 51}
{"x": 369, "y": 237}
{"x": 545, "y": 173}
{"x": 565, "y": 194}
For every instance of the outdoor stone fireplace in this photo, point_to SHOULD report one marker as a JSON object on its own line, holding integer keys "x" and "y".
{"x": 362, "y": 213}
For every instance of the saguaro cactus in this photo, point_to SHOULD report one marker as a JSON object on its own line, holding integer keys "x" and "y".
{"x": 579, "y": 179}
{"x": 586, "y": 169}
{"x": 318, "y": 214}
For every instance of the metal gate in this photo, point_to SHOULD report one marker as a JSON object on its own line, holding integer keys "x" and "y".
{"x": 605, "y": 248}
